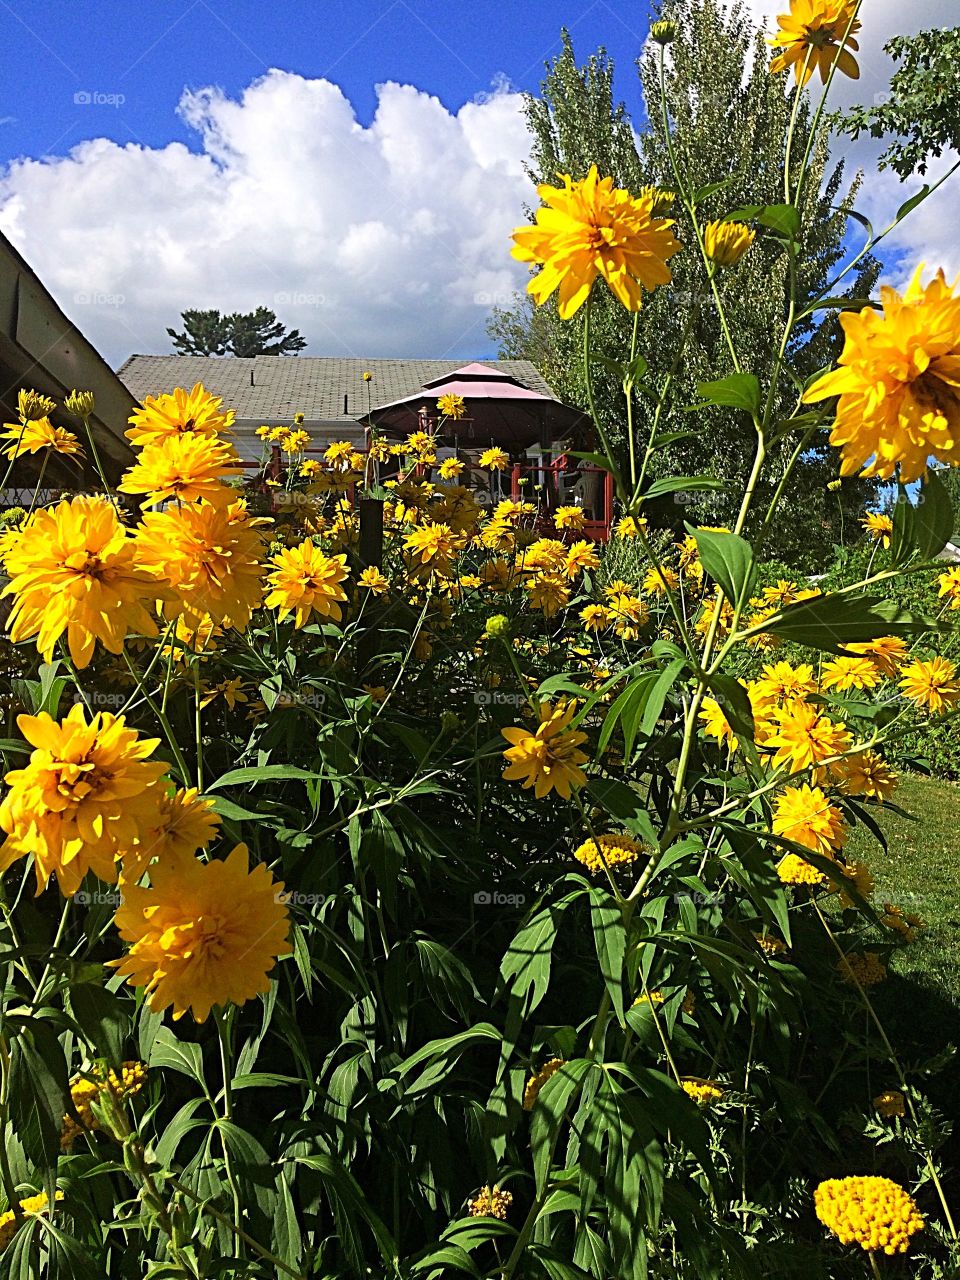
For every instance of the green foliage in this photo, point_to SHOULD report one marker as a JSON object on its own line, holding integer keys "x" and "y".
{"x": 252, "y": 333}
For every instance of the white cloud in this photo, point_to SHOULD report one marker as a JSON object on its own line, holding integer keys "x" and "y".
{"x": 390, "y": 239}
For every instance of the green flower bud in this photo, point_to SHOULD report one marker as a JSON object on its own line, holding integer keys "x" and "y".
{"x": 79, "y": 403}
{"x": 664, "y": 31}
{"x": 33, "y": 406}
{"x": 498, "y": 627}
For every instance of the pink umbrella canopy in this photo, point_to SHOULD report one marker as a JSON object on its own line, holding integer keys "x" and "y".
{"x": 500, "y": 410}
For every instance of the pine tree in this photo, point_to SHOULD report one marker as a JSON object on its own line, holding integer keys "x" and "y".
{"x": 729, "y": 119}
{"x": 251, "y": 333}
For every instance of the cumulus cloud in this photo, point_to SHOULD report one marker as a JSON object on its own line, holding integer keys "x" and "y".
{"x": 929, "y": 234}
{"x": 390, "y": 239}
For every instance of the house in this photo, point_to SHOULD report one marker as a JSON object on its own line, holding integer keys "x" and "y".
{"x": 331, "y": 392}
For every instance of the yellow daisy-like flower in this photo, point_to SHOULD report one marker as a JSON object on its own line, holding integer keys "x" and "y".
{"x": 209, "y": 555}
{"x": 304, "y": 581}
{"x": 609, "y": 850}
{"x": 725, "y": 243}
{"x": 865, "y": 774}
{"x": 549, "y": 758}
{"x": 902, "y": 922}
{"x": 811, "y": 35}
{"x": 434, "y": 546}
{"x": 309, "y": 467}
{"x": 490, "y": 1202}
{"x": 805, "y": 816}
{"x": 581, "y": 556}
{"x": 932, "y": 684}
{"x": 186, "y": 821}
{"x": 860, "y": 878}
{"x": 338, "y": 451}
{"x": 596, "y": 617}
{"x": 805, "y": 737}
{"x": 781, "y": 684}
{"x": 494, "y": 459}
{"x": 703, "y": 1092}
{"x": 587, "y": 229}
{"x": 792, "y": 869}
{"x": 890, "y": 1104}
{"x": 295, "y": 442}
{"x": 879, "y": 527}
{"x": 374, "y": 581}
{"x": 549, "y": 592}
{"x": 657, "y": 582}
{"x": 849, "y": 673}
{"x": 186, "y": 467}
{"x": 33, "y": 406}
{"x": 536, "y": 1082}
{"x": 569, "y": 518}
{"x": 898, "y": 383}
{"x": 716, "y": 725}
{"x": 887, "y": 653}
{"x": 451, "y": 468}
{"x": 770, "y": 945}
{"x": 87, "y": 794}
{"x": 72, "y": 569}
{"x": 949, "y": 584}
{"x": 783, "y": 592}
{"x": 40, "y": 433}
{"x": 195, "y": 412}
{"x": 203, "y": 934}
{"x": 29, "y": 1208}
{"x": 630, "y": 526}
{"x": 874, "y": 1213}
{"x": 452, "y": 406}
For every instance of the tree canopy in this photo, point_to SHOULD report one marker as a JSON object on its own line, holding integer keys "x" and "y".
{"x": 250, "y": 333}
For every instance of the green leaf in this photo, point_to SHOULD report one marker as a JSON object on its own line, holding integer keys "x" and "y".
{"x": 178, "y": 1055}
{"x": 728, "y": 559}
{"x": 610, "y": 939}
{"x": 677, "y": 484}
{"x": 102, "y": 1017}
{"x": 908, "y": 206}
{"x": 782, "y": 218}
{"x": 39, "y": 1087}
{"x": 829, "y": 622}
{"x": 737, "y": 391}
{"x": 658, "y": 694}
{"x": 549, "y": 1113}
{"x": 349, "y": 1203}
{"x": 923, "y": 528}
{"x": 264, "y": 773}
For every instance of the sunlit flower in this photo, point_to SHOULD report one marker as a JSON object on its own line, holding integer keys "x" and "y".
{"x": 865, "y": 774}
{"x": 185, "y": 822}
{"x": 72, "y": 569}
{"x": 861, "y": 879}
{"x": 549, "y": 592}
{"x": 898, "y": 383}
{"x": 879, "y": 527}
{"x": 434, "y": 546}
{"x": 804, "y": 738}
{"x": 490, "y": 1202}
{"x": 781, "y": 685}
{"x": 203, "y": 934}
{"x": 770, "y": 946}
{"x": 588, "y": 228}
{"x": 849, "y": 673}
{"x": 451, "y": 468}
{"x": 607, "y": 850}
{"x": 180, "y": 413}
{"x": 805, "y": 816}
{"x": 811, "y": 36}
{"x": 452, "y": 406}
{"x": 231, "y": 691}
{"x": 932, "y": 684}
{"x": 494, "y": 459}
{"x": 630, "y": 526}
{"x": 29, "y": 1208}
{"x": 887, "y": 653}
{"x": 32, "y": 406}
{"x": 792, "y": 869}
{"x": 374, "y": 581}
{"x": 657, "y": 582}
{"x": 580, "y": 557}
{"x": 874, "y": 1213}
{"x": 783, "y": 592}
{"x": 295, "y": 442}
{"x": 304, "y": 581}
{"x": 40, "y": 433}
{"x": 87, "y": 794}
{"x": 93, "y": 1086}
{"x": 725, "y": 243}
{"x": 569, "y": 518}
{"x": 890, "y": 1104}
{"x": 596, "y": 617}
{"x": 716, "y": 725}
{"x": 550, "y": 757}
{"x": 186, "y": 467}
{"x": 703, "y": 1092}
{"x": 902, "y": 922}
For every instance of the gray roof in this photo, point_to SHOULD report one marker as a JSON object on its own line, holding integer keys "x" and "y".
{"x": 311, "y": 385}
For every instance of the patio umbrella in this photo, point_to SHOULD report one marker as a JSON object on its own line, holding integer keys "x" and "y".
{"x": 500, "y": 410}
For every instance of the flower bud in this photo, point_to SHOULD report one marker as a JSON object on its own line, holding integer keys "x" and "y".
{"x": 663, "y": 32}
{"x": 79, "y": 403}
{"x": 498, "y": 627}
{"x": 33, "y": 406}
{"x": 727, "y": 242}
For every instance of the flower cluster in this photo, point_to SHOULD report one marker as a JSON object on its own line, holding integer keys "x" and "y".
{"x": 874, "y": 1213}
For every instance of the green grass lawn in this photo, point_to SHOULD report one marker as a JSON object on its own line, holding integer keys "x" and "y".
{"x": 921, "y": 873}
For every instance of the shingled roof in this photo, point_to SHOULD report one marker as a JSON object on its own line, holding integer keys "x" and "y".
{"x": 273, "y": 388}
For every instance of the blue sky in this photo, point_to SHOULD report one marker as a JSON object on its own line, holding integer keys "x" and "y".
{"x": 147, "y": 52}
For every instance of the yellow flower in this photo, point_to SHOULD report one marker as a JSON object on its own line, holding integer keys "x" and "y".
{"x": 703, "y": 1092}
{"x": 849, "y": 673}
{"x": 658, "y": 582}
{"x": 887, "y": 653}
{"x": 549, "y": 592}
{"x": 569, "y": 518}
{"x": 781, "y": 684}
{"x": 204, "y": 934}
{"x": 230, "y": 690}
{"x": 805, "y": 737}
{"x": 950, "y": 586}
{"x": 630, "y": 526}
{"x": 865, "y": 774}
{"x": 309, "y": 467}
{"x": 33, "y": 406}
{"x": 596, "y": 617}
{"x": 72, "y": 569}
{"x": 770, "y": 945}
{"x": 890, "y": 1103}
{"x": 536, "y": 1082}
{"x": 452, "y": 406}
{"x": 338, "y": 451}
{"x": 209, "y": 555}
{"x": 862, "y": 968}
{"x": 587, "y": 229}
{"x": 880, "y": 527}
{"x": 180, "y": 413}
{"x": 609, "y": 850}
{"x": 451, "y": 468}
{"x": 805, "y": 816}
{"x": 811, "y": 35}
{"x": 875, "y": 1213}
{"x": 187, "y": 467}
{"x": 434, "y": 546}
{"x": 367, "y": 376}
{"x": 581, "y": 556}
{"x": 792, "y": 869}
{"x": 898, "y": 383}
{"x": 548, "y": 758}
{"x": 87, "y": 794}
{"x": 648, "y": 997}
{"x": 490, "y": 1202}
{"x": 726, "y": 242}
{"x": 277, "y": 435}
{"x": 29, "y": 1207}
{"x": 861, "y": 879}
{"x": 185, "y": 822}
{"x": 262, "y": 432}
{"x": 494, "y": 459}
{"x": 40, "y": 433}
{"x": 932, "y": 684}
{"x": 90, "y": 1087}
{"x": 716, "y": 725}
{"x": 374, "y": 581}
{"x": 305, "y": 581}
{"x": 902, "y": 922}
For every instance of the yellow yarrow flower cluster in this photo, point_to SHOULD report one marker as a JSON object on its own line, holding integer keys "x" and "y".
{"x": 705, "y": 1093}
{"x": 29, "y": 1208}
{"x": 862, "y": 969}
{"x": 874, "y": 1213}
{"x": 609, "y": 850}
{"x": 88, "y": 1088}
{"x": 490, "y": 1202}
{"x": 536, "y": 1082}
